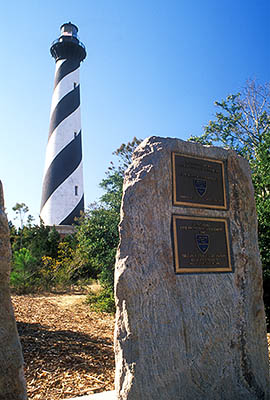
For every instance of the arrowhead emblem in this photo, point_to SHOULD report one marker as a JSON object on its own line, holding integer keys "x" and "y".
{"x": 200, "y": 186}
{"x": 202, "y": 241}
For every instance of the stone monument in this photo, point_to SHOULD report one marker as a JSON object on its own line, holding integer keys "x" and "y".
{"x": 12, "y": 384}
{"x": 190, "y": 321}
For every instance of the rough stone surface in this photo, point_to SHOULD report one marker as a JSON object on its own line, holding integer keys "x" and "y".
{"x": 189, "y": 337}
{"x": 12, "y": 384}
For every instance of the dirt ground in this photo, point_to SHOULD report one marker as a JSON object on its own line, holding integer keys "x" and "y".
{"x": 68, "y": 349}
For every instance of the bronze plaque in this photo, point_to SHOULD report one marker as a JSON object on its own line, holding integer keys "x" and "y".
{"x": 201, "y": 244}
{"x": 198, "y": 182}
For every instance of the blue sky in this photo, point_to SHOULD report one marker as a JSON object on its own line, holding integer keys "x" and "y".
{"x": 153, "y": 68}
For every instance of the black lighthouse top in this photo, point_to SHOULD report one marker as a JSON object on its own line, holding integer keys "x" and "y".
{"x": 68, "y": 46}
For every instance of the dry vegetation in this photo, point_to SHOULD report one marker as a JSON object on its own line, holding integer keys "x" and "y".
{"x": 68, "y": 350}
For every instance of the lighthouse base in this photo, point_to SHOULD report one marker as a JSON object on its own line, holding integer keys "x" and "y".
{"x": 65, "y": 230}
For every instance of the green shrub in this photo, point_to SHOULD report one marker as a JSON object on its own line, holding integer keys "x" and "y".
{"x": 23, "y": 274}
{"x": 102, "y": 301}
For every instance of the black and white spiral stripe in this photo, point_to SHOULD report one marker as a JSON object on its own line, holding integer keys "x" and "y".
{"x": 62, "y": 193}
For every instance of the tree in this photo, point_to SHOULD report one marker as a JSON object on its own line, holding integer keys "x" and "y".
{"x": 97, "y": 231}
{"x": 23, "y": 271}
{"x": 124, "y": 154}
{"x": 21, "y": 210}
{"x": 97, "y": 237}
{"x": 39, "y": 239}
{"x": 261, "y": 182}
{"x": 243, "y": 123}
{"x": 30, "y": 245}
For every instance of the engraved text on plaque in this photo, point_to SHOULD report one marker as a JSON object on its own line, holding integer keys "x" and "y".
{"x": 201, "y": 244}
{"x": 198, "y": 182}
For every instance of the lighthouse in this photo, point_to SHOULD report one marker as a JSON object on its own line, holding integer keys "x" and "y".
{"x": 62, "y": 192}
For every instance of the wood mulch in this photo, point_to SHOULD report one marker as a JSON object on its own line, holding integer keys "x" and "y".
{"x": 68, "y": 349}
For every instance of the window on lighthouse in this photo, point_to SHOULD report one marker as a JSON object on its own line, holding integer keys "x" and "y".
{"x": 76, "y": 190}
{"x": 75, "y": 84}
{"x": 75, "y": 134}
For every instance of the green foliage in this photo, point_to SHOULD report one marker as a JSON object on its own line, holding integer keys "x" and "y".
{"x": 97, "y": 236}
{"x": 102, "y": 301}
{"x": 97, "y": 231}
{"x": 243, "y": 124}
{"x": 261, "y": 181}
{"x": 40, "y": 242}
{"x": 124, "y": 154}
{"x": 112, "y": 185}
{"x": 22, "y": 276}
{"x": 242, "y": 121}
